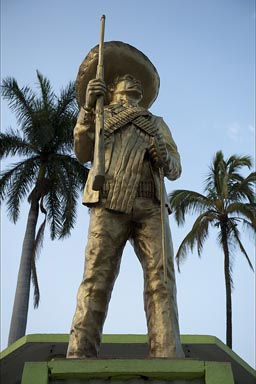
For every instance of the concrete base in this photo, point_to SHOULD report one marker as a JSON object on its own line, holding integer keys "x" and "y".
{"x": 158, "y": 371}
{"x": 40, "y": 359}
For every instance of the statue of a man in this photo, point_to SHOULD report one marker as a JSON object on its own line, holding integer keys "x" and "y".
{"x": 128, "y": 207}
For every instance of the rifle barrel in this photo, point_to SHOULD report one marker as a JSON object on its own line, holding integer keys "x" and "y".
{"x": 99, "y": 150}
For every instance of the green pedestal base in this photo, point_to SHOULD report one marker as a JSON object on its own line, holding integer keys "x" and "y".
{"x": 139, "y": 371}
{"x": 40, "y": 359}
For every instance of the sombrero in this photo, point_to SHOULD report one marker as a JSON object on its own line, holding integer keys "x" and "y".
{"x": 119, "y": 59}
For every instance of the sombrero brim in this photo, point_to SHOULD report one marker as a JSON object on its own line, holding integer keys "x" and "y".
{"x": 119, "y": 59}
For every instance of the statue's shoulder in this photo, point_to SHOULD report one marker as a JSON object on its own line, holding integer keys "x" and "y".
{"x": 158, "y": 120}
{"x": 161, "y": 125}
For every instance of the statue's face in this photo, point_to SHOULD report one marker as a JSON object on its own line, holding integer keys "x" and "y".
{"x": 130, "y": 86}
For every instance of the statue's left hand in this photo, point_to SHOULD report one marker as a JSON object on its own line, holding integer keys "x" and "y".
{"x": 158, "y": 151}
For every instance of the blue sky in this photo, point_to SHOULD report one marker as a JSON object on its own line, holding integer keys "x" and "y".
{"x": 204, "y": 51}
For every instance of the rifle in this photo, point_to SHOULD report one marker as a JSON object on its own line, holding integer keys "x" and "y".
{"x": 99, "y": 151}
{"x": 163, "y": 223}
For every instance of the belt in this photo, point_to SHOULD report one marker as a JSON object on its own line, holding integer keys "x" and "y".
{"x": 145, "y": 189}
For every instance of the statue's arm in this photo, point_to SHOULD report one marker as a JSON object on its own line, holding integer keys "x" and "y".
{"x": 172, "y": 169}
{"x": 84, "y": 136}
{"x": 167, "y": 155}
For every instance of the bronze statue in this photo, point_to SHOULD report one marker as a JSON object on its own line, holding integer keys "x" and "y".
{"x": 131, "y": 204}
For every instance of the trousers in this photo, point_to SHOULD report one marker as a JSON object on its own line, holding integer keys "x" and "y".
{"x": 108, "y": 232}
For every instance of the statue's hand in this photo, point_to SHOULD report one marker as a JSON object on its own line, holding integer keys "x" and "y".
{"x": 158, "y": 150}
{"x": 95, "y": 88}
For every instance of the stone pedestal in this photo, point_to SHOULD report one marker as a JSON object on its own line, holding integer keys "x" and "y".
{"x": 135, "y": 371}
{"x": 40, "y": 359}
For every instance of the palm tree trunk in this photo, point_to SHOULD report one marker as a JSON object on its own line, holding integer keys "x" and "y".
{"x": 21, "y": 301}
{"x": 228, "y": 285}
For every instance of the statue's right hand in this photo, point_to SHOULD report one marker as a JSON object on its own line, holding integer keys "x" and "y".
{"x": 95, "y": 88}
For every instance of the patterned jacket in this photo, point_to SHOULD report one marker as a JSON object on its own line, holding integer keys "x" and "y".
{"x": 131, "y": 170}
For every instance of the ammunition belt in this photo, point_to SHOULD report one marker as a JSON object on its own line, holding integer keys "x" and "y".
{"x": 145, "y": 189}
{"x": 137, "y": 115}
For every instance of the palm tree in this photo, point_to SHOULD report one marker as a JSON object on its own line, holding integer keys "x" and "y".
{"x": 228, "y": 201}
{"x": 48, "y": 175}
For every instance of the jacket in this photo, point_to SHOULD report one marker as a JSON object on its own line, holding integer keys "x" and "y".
{"x": 127, "y": 158}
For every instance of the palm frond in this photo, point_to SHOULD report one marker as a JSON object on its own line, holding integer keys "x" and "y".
{"x": 20, "y": 101}
{"x": 242, "y": 210}
{"x": 244, "y": 189}
{"x": 69, "y": 202}
{"x": 186, "y": 245}
{"x": 53, "y": 201}
{"x": 11, "y": 144}
{"x": 201, "y": 229}
{"x": 183, "y": 202}
{"x": 35, "y": 283}
{"x": 69, "y": 177}
{"x": 48, "y": 97}
{"x": 74, "y": 168}
{"x": 65, "y": 116}
{"x": 197, "y": 236}
{"x": 216, "y": 180}
{"x": 234, "y": 163}
{"x": 66, "y": 102}
{"x": 15, "y": 184}
{"x": 37, "y": 248}
{"x": 235, "y": 232}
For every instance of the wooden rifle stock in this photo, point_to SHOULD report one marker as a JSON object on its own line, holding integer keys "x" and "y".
{"x": 99, "y": 151}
